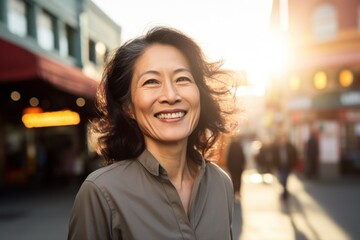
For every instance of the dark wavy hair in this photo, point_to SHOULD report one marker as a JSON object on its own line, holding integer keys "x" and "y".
{"x": 118, "y": 135}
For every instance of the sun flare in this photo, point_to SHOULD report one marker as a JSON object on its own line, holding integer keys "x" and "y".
{"x": 235, "y": 31}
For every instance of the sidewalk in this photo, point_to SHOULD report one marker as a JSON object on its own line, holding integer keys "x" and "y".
{"x": 263, "y": 214}
{"x": 314, "y": 211}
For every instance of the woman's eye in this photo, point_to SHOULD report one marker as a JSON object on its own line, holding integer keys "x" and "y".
{"x": 150, "y": 82}
{"x": 183, "y": 79}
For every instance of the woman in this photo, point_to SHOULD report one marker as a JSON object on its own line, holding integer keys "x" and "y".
{"x": 158, "y": 119}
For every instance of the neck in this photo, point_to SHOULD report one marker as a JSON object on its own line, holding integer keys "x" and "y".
{"x": 172, "y": 157}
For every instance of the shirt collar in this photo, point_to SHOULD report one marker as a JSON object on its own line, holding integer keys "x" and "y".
{"x": 150, "y": 163}
{"x": 153, "y": 166}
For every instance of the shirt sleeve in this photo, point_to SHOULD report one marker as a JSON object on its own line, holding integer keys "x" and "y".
{"x": 230, "y": 197}
{"x": 91, "y": 215}
{"x": 228, "y": 185}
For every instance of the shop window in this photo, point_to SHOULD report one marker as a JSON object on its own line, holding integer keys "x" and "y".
{"x": 353, "y": 137}
{"x": 325, "y": 22}
{"x": 320, "y": 80}
{"x": 17, "y": 17}
{"x": 46, "y": 35}
{"x": 15, "y": 144}
{"x": 346, "y": 78}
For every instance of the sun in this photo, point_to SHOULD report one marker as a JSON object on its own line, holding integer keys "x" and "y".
{"x": 269, "y": 56}
{"x": 261, "y": 57}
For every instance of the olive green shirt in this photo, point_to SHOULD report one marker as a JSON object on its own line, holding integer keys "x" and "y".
{"x": 134, "y": 199}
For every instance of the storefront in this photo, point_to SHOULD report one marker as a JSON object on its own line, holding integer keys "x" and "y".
{"x": 45, "y": 108}
{"x": 336, "y": 116}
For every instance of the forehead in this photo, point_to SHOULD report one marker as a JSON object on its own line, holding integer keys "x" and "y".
{"x": 157, "y": 55}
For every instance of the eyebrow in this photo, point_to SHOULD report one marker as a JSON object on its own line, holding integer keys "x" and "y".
{"x": 182, "y": 70}
{"x": 157, "y": 73}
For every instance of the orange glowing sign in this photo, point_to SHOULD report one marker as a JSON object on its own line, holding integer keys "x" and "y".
{"x": 50, "y": 119}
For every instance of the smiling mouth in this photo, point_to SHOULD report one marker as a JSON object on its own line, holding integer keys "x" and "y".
{"x": 170, "y": 115}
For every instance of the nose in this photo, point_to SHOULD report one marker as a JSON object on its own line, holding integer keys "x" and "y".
{"x": 169, "y": 93}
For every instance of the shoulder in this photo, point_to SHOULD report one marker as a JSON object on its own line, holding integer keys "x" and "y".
{"x": 216, "y": 172}
{"x": 219, "y": 182}
{"x": 116, "y": 170}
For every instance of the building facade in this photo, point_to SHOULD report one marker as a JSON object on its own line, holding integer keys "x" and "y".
{"x": 51, "y": 58}
{"x": 320, "y": 89}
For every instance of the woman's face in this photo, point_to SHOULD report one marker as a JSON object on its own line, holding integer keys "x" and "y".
{"x": 165, "y": 98}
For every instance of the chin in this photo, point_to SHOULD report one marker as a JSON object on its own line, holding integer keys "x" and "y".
{"x": 173, "y": 138}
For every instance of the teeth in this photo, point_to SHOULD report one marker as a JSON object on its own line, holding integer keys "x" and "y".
{"x": 170, "y": 115}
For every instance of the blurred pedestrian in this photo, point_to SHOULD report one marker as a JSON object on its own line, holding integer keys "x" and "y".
{"x": 312, "y": 155}
{"x": 265, "y": 159}
{"x": 159, "y": 117}
{"x": 236, "y": 164}
{"x": 285, "y": 161}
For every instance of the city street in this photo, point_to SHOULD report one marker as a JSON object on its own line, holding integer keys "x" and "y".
{"x": 316, "y": 210}
{"x": 278, "y": 81}
{"x": 41, "y": 215}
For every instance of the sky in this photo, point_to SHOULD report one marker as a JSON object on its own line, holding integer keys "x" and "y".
{"x": 235, "y": 31}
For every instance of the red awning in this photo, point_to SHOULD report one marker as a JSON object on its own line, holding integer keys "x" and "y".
{"x": 19, "y": 64}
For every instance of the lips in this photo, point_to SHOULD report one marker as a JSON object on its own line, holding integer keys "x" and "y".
{"x": 173, "y": 115}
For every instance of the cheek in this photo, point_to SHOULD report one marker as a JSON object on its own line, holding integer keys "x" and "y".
{"x": 141, "y": 102}
{"x": 194, "y": 98}
{"x": 198, "y": 102}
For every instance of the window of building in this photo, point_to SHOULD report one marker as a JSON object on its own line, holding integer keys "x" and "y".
{"x": 92, "y": 51}
{"x": 63, "y": 41}
{"x": 98, "y": 52}
{"x": 325, "y": 22}
{"x": 46, "y": 35}
{"x": 101, "y": 52}
{"x": 70, "y": 33}
{"x": 17, "y": 17}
